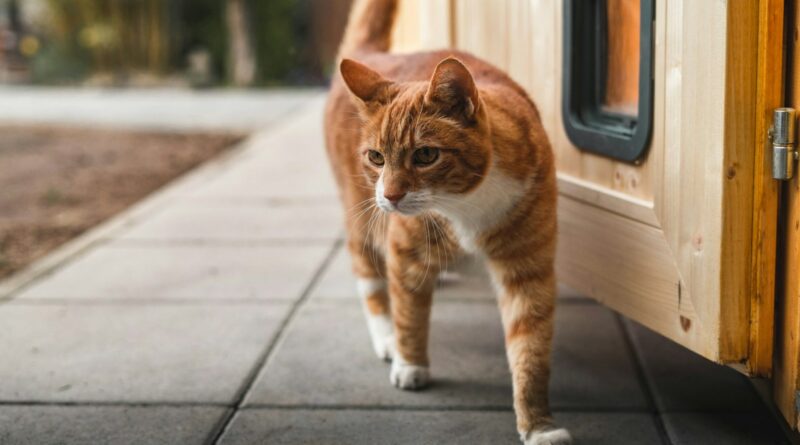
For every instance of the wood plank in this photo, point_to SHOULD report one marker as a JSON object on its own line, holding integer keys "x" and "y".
{"x": 406, "y": 34}
{"x": 738, "y": 171}
{"x": 627, "y": 266}
{"x": 568, "y": 157}
{"x": 655, "y": 161}
{"x": 532, "y": 54}
{"x": 422, "y": 25}
{"x": 482, "y": 29}
{"x": 703, "y": 146}
{"x": 587, "y": 192}
{"x": 769, "y": 96}
{"x": 436, "y": 24}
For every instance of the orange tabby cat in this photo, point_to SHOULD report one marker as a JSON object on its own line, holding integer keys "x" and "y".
{"x": 453, "y": 151}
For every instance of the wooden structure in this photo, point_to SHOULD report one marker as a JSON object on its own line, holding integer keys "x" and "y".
{"x": 683, "y": 241}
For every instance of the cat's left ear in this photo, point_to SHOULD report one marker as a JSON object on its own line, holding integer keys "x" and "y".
{"x": 453, "y": 89}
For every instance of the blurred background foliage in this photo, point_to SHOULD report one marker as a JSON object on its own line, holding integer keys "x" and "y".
{"x": 195, "y": 42}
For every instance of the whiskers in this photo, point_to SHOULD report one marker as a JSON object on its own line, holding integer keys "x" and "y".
{"x": 427, "y": 255}
{"x": 375, "y": 227}
{"x": 434, "y": 241}
{"x": 360, "y": 209}
{"x": 415, "y": 202}
{"x": 441, "y": 241}
{"x": 435, "y": 238}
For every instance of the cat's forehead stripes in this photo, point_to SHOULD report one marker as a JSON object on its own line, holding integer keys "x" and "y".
{"x": 399, "y": 124}
{"x": 404, "y": 124}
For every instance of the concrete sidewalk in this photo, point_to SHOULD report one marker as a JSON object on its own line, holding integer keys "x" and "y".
{"x": 151, "y": 108}
{"x": 222, "y": 310}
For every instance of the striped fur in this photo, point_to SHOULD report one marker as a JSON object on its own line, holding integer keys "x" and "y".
{"x": 491, "y": 189}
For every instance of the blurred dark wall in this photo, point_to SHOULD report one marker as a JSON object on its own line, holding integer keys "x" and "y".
{"x": 328, "y": 20}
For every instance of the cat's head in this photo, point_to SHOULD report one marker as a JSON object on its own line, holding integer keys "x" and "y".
{"x": 424, "y": 143}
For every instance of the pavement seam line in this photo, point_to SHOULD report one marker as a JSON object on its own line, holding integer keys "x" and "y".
{"x": 644, "y": 380}
{"x": 445, "y": 408}
{"x": 224, "y": 423}
{"x": 99, "y": 403}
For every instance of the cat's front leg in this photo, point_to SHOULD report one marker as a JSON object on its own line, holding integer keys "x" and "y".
{"x": 368, "y": 267}
{"x": 375, "y": 301}
{"x": 527, "y": 300}
{"x": 411, "y": 283}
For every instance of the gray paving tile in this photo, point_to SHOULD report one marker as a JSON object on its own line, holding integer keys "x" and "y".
{"x": 423, "y": 427}
{"x": 685, "y": 381}
{"x": 131, "y": 353}
{"x": 592, "y": 366}
{"x": 326, "y": 360}
{"x": 199, "y": 220}
{"x": 337, "y": 280}
{"x": 119, "y": 425}
{"x": 288, "y": 180}
{"x": 122, "y": 271}
{"x": 723, "y": 428}
{"x": 611, "y": 428}
{"x": 469, "y": 281}
{"x": 286, "y": 162}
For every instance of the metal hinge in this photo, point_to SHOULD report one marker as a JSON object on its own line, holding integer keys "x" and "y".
{"x": 783, "y": 138}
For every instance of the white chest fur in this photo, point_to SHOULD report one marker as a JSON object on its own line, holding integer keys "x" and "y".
{"x": 481, "y": 209}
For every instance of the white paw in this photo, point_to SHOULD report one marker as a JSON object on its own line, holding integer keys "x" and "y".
{"x": 380, "y": 325}
{"x": 380, "y": 332}
{"x": 383, "y": 346}
{"x": 553, "y": 436}
{"x": 405, "y": 376}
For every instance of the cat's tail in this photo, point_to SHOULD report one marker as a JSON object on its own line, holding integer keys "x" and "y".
{"x": 369, "y": 28}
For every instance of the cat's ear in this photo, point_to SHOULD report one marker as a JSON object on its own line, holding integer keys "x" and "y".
{"x": 453, "y": 90}
{"x": 365, "y": 83}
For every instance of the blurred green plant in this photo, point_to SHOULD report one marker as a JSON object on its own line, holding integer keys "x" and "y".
{"x": 277, "y": 38}
{"x": 120, "y": 38}
{"x": 83, "y": 37}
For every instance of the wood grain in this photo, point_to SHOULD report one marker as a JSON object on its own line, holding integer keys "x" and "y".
{"x": 769, "y": 95}
{"x": 738, "y": 171}
{"x": 423, "y": 25}
{"x": 627, "y": 266}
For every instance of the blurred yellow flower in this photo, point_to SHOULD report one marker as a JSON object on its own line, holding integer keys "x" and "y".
{"x": 29, "y": 46}
{"x": 98, "y": 35}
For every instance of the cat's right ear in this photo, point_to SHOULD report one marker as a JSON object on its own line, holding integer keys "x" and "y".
{"x": 365, "y": 84}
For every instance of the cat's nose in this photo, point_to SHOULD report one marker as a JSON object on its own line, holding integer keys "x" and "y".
{"x": 394, "y": 198}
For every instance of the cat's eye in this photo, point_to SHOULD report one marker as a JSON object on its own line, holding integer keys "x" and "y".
{"x": 426, "y": 155}
{"x": 375, "y": 157}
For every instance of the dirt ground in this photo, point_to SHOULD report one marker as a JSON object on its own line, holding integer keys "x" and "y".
{"x": 55, "y": 183}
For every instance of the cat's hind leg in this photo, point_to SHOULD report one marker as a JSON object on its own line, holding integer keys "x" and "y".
{"x": 527, "y": 303}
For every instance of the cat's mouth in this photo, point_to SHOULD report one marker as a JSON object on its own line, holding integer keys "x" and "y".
{"x": 401, "y": 208}
{"x": 409, "y": 206}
